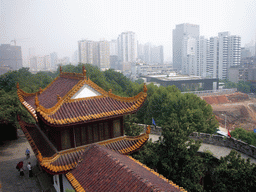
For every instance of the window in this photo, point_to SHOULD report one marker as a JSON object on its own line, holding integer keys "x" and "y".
{"x": 101, "y": 129}
{"x": 65, "y": 139}
{"x": 95, "y": 132}
{"x": 84, "y": 134}
{"x": 116, "y": 128}
{"x": 90, "y": 134}
{"x": 106, "y": 130}
{"x": 78, "y": 136}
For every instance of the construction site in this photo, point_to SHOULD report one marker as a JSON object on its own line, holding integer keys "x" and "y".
{"x": 234, "y": 110}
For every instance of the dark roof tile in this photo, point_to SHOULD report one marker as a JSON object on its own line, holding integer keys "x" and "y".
{"x": 103, "y": 169}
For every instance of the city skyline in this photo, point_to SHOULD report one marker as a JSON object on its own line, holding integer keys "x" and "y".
{"x": 56, "y": 26}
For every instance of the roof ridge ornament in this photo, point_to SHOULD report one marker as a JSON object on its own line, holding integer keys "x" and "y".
{"x": 36, "y": 101}
{"x": 84, "y": 71}
{"x": 58, "y": 97}
{"x": 145, "y": 89}
{"x": 18, "y": 85}
{"x": 148, "y": 129}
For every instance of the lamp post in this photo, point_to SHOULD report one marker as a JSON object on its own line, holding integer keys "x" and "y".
{"x": 225, "y": 120}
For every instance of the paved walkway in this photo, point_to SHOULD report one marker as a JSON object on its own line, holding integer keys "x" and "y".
{"x": 12, "y": 152}
{"x": 219, "y": 151}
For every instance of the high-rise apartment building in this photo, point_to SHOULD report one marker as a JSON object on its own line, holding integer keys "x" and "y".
{"x": 224, "y": 52}
{"x": 157, "y": 55}
{"x": 54, "y": 59}
{"x": 113, "y": 58}
{"x": 183, "y": 34}
{"x": 127, "y": 49}
{"x": 88, "y": 52}
{"x": 96, "y": 53}
{"x": 213, "y": 59}
{"x": 150, "y": 54}
{"x": 104, "y": 54}
{"x": 203, "y": 56}
{"x": 10, "y": 56}
{"x": 40, "y": 63}
{"x": 207, "y": 58}
{"x": 113, "y": 47}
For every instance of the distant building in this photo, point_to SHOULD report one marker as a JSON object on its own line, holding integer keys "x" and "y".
{"x": 113, "y": 60}
{"x": 203, "y": 56}
{"x": 150, "y": 54}
{"x": 184, "y": 82}
{"x": 54, "y": 60}
{"x": 10, "y": 56}
{"x": 213, "y": 57}
{"x": 183, "y": 34}
{"x": 194, "y": 55}
{"x": 157, "y": 55}
{"x": 88, "y": 52}
{"x": 127, "y": 49}
{"x": 246, "y": 71}
{"x": 113, "y": 54}
{"x": 40, "y": 63}
{"x": 113, "y": 47}
{"x": 104, "y": 53}
{"x": 225, "y": 52}
{"x": 96, "y": 53}
{"x": 63, "y": 61}
{"x": 75, "y": 58}
{"x": 33, "y": 63}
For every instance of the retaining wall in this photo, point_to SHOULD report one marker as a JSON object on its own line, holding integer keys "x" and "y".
{"x": 233, "y": 143}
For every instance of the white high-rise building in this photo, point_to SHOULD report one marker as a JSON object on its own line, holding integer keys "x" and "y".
{"x": 104, "y": 53}
{"x": 213, "y": 59}
{"x": 224, "y": 52}
{"x": 190, "y": 66}
{"x": 88, "y": 52}
{"x": 113, "y": 47}
{"x": 127, "y": 49}
{"x": 54, "y": 60}
{"x": 183, "y": 34}
{"x": 96, "y": 53}
{"x": 203, "y": 56}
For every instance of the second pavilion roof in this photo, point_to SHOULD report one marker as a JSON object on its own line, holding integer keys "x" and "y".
{"x": 74, "y": 98}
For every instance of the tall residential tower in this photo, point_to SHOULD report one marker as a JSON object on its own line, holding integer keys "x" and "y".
{"x": 127, "y": 49}
{"x": 184, "y": 57}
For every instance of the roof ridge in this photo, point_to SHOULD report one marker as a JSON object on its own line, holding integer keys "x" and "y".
{"x": 48, "y": 111}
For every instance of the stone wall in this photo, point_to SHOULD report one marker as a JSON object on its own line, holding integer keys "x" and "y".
{"x": 233, "y": 143}
{"x": 218, "y": 140}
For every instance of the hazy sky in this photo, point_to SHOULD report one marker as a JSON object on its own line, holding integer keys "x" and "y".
{"x": 57, "y": 25}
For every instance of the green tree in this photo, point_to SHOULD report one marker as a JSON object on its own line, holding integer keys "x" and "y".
{"x": 244, "y": 87}
{"x": 235, "y": 174}
{"x": 246, "y": 136}
{"x": 139, "y": 81}
{"x": 178, "y": 159}
{"x": 130, "y": 125}
{"x": 191, "y": 111}
{"x": 149, "y": 155}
